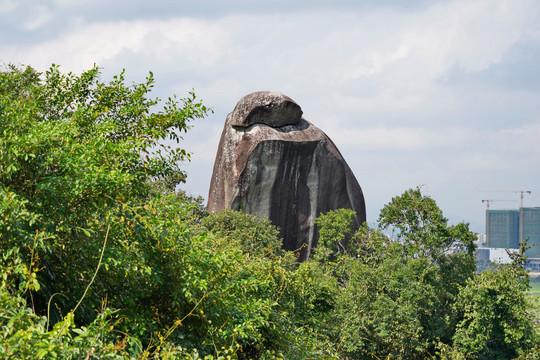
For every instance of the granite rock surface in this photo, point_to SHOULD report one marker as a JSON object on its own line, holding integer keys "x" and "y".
{"x": 273, "y": 163}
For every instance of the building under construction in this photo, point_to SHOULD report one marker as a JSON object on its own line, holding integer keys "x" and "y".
{"x": 506, "y": 228}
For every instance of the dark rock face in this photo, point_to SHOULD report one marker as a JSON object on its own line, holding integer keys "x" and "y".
{"x": 286, "y": 170}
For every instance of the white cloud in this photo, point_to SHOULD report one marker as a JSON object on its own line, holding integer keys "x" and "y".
{"x": 7, "y": 6}
{"x": 399, "y": 138}
{"x": 520, "y": 144}
{"x": 370, "y": 78}
{"x": 38, "y": 16}
{"x": 480, "y": 161}
{"x": 188, "y": 41}
{"x": 513, "y": 150}
{"x": 399, "y": 54}
{"x": 405, "y": 59}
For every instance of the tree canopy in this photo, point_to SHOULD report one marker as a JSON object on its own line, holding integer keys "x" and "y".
{"x": 102, "y": 256}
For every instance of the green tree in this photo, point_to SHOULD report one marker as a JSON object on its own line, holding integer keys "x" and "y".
{"x": 336, "y": 229}
{"x": 394, "y": 294}
{"x": 256, "y": 236}
{"x": 495, "y": 317}
{"x": 418, "y": 222}
{"x": 77, "y": 159}
{"x": 103, "y": 258}
{"x": 92, "y": 222}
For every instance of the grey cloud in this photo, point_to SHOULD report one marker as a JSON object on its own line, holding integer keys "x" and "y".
{"x": 319, "y": 58}
{"x": 128, "y": 9}
{"x": 64, "y": 16}
{"x": 105, "y": 10}
{"x": 517, "y": 70}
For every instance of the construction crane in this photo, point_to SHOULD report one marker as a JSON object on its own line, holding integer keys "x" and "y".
{"x": 488, "y": 201}
{"x": 522, "y": 192}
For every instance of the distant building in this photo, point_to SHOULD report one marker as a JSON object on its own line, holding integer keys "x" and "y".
{"x": 480, "y": 240}
{"x": 531, "y": 230}
{"x": 503, "y": 228}
{"x": 482, "y": 254}
{"x": 495, "y": 255}
{"x": 499, "y": 256}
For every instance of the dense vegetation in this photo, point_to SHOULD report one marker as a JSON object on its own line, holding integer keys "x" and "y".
{"x": 103, "y": 259}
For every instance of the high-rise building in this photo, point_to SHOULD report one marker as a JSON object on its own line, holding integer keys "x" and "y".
{"x": 531, "y": 230}
{"x": 503, "y": 229}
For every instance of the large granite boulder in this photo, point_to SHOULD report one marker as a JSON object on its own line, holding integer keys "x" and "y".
{"x": 271, "y": 162}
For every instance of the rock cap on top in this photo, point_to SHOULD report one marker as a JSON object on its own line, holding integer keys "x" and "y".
{"x": 266, "y": 107}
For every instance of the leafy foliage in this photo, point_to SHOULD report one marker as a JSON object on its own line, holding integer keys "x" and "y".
{"x": 256, "y": 236}
{"x": 421, "y": 226}
{"x": 92, "y": 221}
{"x": 493, "y": 307}
{"x": 335, "y": 231}
{"x": 103, "y": 258}
{"x": 412, "y": 297}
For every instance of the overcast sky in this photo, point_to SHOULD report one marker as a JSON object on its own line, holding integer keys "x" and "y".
{"x": 442, "y": 94}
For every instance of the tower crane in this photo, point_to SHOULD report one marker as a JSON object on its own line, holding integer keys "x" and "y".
{"x": 522, "y": 192}
{"x": 488, "y": 201}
